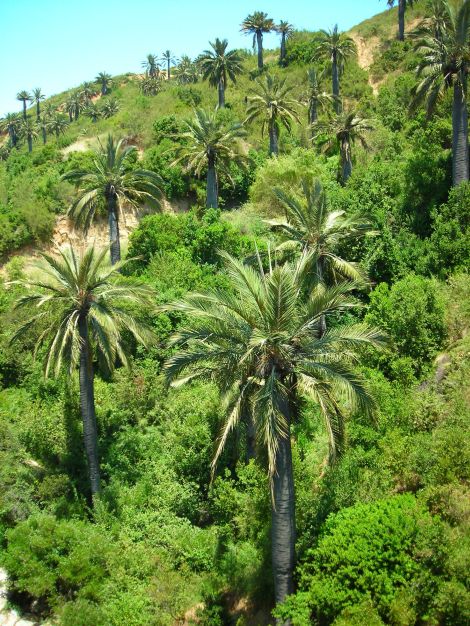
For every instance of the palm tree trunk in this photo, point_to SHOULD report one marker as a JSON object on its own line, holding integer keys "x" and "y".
{"x": 44, "y": 136}
{"x": 283, "y": 519}
{"x": 320, "y": 275}
{"x": 346, "y": 162}
{"x": 38, "y": 111}
{"x": 221, "y": 89}
{"x": 259, "y": 42}
{"x": 70, "y": 116}
{"x": 460, "y": 153}
{"x": 282, "y": 57}
{"x": 335, "y": 84}
{"x": 24, "y": 109}
{"x": 312, "y": 112}
{"x": 250, "y": 436}
{"x": 273, "y": 139}
{"x": 168, "y": 69}
{"x": 30, "y": 143}
{"x": 87, "y": 407}
{"x": 211, "y": 187}
{"x": 113, "y": 224}
{"x": 401, "y": 19}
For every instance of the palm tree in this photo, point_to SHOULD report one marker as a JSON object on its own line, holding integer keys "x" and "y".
{"x": 29, "y": 131}
{"x": 82, "y": 318}
{"x": 272, "y": 101}
{"x": 10, "y": 124}
{"x": 218, "y": 66}
{"x": 57, "y": 124}
{"x": 336, "y": 48}
{"x": 402, "y": 6}
{"x": 286, "y": 30}
{"x": 110, "y": 108}
{"x": 316, "y": 99}
{"x": 24, "y": 97}
{"x": 93, "y": 112}
{"x": 169, "y": 59}
{"x": 312, "y": 227}
{"x": 48, "y": 112}
{"x": 341, "y": 132}
{"x": 151, "y": 65}
{"x": 187, "y": 71}
{"x": 74, "y": 106}
{"x": 210, "y": 143}
{"x": 111, "y": 179}
{"x": 87, "y": 91}
{"x": 259, "y": 341}
{"x": 256, "y": 24}
{"x": 37, "y": 96}
{"x": 446, "y": 64}
{"x": 104, "y": 81}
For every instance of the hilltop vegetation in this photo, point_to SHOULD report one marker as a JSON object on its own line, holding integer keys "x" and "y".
{"x": 265, "y": 405}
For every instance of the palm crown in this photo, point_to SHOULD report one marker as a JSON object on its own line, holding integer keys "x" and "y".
{"x": 151, "y": 65}
{"x": 104, "y": 79}
{"x": 256, "y": 24}
{"x": 271, "y": 100}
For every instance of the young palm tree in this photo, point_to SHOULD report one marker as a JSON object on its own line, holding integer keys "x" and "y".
{"x": 24, "y": 97}
{"x": 273, "y": 103}
{"x": 82, "y": 319}
{"x": 317, "y": 99}
{"x": 286, "y": 30}
{"x": 37, "y": 96}
{"x": 260, "y": 343}
{"x": 110, "y": 108}
{"x": 402, "y": 6}
{"x": 312, "y": 227}
{"x": 105, "y": 82}
{"x": 256, "y": 24}
{"x": 169, "y": 59}
{"x": 57, "y": 124}
{"x": 341, "y": 132}
{"x": 48, "y": 113}
{"x": 28, "y": 129}
{"x": 74, "y": 106}
{"x": 445, "y": 65}
{"x": 151, "y": 65}
{"x": 10, "y": 124}
{"x": 93, "y": 112}
{"x": 111, "y": 179}
{"x": 187, "y": 71}
{"x": 218, "y": 66}
{"x": 150, "y": 86}
{"x": 212, "y": 145}
{"x": 336, "y": 48}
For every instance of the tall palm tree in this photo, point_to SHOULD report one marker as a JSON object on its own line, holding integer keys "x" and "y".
{"x": 256, "y": 24}
{"x": 105, "y": 81}
{"x": 37, "y": 96}
{"x": 48, "y": 113}
{"x": 151, "y": 65}
{"x": 445, "y": 64}
{"x": 187, "y": 71}
{"x": 210, "y": 144}
{"x": 337, "y": 48}
{"x": 10, "y": 124}
{"x": 169, "y": 59}
{"x": 341, "y": 132}
{"x": 24, "y": 97}
{"x": 57, "y": 124}
{"x": 74, "y": 106}
{"x": 112, "y": 180}
{"x": 260, "y": 343}
{"x": 273, "y": 103}
{"x": 29, "y": 130}
{"x": 286, "y": 30}
{"x": 218, "y": 66}
{"x": 82, "y": 319}
{"x": 316, "y": 98}
{"x": 402, "y": 6}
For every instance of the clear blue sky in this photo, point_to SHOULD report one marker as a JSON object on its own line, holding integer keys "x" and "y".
{"x": 57, "y": 44}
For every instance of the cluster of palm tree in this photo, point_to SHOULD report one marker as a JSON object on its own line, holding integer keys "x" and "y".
{"x": 257, "y": 24}
{"x": 82, "y": 100}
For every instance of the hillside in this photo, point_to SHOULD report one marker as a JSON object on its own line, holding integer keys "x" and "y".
{"x": 261, "y": 415}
